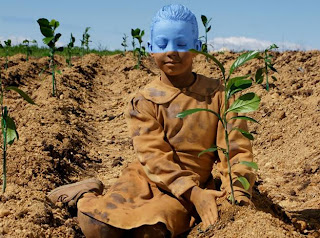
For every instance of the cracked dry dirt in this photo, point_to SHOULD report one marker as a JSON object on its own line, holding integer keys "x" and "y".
{"x": 82, "y": 133}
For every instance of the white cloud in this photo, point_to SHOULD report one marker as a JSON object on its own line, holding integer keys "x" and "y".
{"x": 239, "y": 43}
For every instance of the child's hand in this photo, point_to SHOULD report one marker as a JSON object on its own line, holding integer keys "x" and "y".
{"x": 205, "y": 204}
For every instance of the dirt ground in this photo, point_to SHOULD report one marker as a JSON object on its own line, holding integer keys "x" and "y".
{"x": 82, "y": 133}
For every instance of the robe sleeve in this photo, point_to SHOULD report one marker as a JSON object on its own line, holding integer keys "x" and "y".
{"x": 240, "y": 150}
{"x": 154, "y": 152}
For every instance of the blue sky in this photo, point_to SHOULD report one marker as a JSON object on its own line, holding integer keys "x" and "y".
{"x": 246, "y": 24}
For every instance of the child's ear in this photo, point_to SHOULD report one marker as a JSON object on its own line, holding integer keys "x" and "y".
{"x": 198, "y": 45}
{"x": 149, "y": 47}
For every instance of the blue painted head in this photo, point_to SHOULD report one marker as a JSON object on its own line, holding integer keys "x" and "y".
{"x": 174, "y": 28}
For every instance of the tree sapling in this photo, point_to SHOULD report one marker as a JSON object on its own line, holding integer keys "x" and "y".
{"x": 247, "y": 102}
{"x": 69, "y": 50}
{"x": 124, "y": 43}
{"x": 27, "y": 43}
{"x": 85, "y": 41}
{"x": 141, "y": 50}
{"x": 205, "y": 23}
{"x": 7, "y": 45}
{"x": 8, "y": 126}
{"x": 50, "y": 39}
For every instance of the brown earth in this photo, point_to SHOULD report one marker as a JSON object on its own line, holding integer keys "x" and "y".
{"x": 82, "y": 133}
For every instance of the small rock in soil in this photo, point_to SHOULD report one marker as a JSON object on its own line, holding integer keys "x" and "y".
{"x": 117, "y": 162}
{"x": 4, "y": 212}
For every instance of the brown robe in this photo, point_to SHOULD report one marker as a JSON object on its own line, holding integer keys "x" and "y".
{"x": 150, "y": 190}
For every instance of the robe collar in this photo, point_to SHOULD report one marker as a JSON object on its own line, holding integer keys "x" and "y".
{"x": 159, "y": 92}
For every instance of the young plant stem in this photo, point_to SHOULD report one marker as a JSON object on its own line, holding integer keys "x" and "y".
{"x": 53, "y": 73}
{"x": 4, "y": 134}
{"x": 227, "y": 153}
{"x": 4, "y": 152}
{"x": 139, "y": 56}
{"x": 6, "y": 64}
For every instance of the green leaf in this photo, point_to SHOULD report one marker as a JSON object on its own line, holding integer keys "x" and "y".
{"x": 209, "y": 28}
{"x": 250, "y": 164}
{"x": 12, "y": 133}
{"x": 259, "y": 75}
{"x": 244, "y": 133}
{"x": 243, "y": 59}
{"x": 211, "y": 149}
{"x": 248, "y": 102}
{"x": 58, "y": 71}
{"x": 204, "y": 20}
{"x": 273, "y": 46}
{"x": 55, "y": 24}
{"x": 45, "y": 27}
{"x": 270, "y": 66}
{"x": 245, "y": 118}
{"x": 267, "y": 60}
{"x": 191, "y": 111}
{"x": 56, "y": 37}
{"x": 238, "y": 84}
{"x": 43, "y": 22}
{"x": 22, "y": 94}
{"x": 47, "y": 40}
{"x": 274, "y": 78}
{"x": 244, "y": 182}
{"x": 211, "y": 57}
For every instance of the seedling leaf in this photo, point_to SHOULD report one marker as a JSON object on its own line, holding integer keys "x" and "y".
{"x": 204, "y": 19}
{"x": 245, "y": 118}
{"x": 272, "y": 68}
{"x": 55, "y": 24}
{"x": 22, "y": 94}
{"x": 47, "y": 40}
{"x": 244, "y": 133}
{"x": 191, "y": 111}
{"x": 244, "y": 182}
{"x": 45, "y": 27}
{"x": 259, "y": 75}
{"x": 243, "y": 59}
{"x": 211, "y": 149}
{"x": 250, "y": 164}
{"x": 246, "y": 103}
{"x": 11, "y": 130}
{"x": 274, "y": 78}
{"x": 238, "y": 84}
{"x": 56, "y": 37}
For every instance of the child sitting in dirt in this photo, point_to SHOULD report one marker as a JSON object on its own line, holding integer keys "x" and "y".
{"x": 161, "y": 193}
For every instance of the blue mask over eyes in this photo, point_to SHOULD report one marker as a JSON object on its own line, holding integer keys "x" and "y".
{"x": 169, "y": 35}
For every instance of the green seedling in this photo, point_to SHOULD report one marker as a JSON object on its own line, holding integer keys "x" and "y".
{"x": 7, "y": 45}
{"x": 124, "y": 43}
{"x": 141, "y": 50}
{"x": 69, "y": 50}
{"x": 133, "y": 43}
{"x": 85, "y": 41}
{"x": 27, "y": 43}
{"x": 50, "y": 39}
{"x": 8, "y": 126}
{"x": 207, "y": 27}
{"x": 247, "y": 102}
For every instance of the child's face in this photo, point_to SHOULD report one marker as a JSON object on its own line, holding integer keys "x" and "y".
{"x": 170, "y": 46}
{"x": 172, "y": 36}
